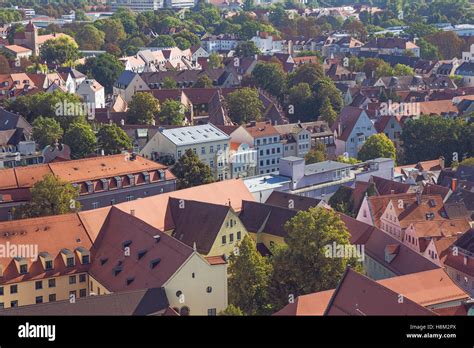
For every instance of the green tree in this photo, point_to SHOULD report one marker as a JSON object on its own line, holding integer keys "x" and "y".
{"x": 46, "y": 131}
{"x": 81, "y": 139}
{"x": 305, "y": 265}
{"x": 50, "y": 196}
{"x": 325, "y": 88}
{"x": 90, "y": 38}
{"x": 4, "y": 65}
{"x": 59, "y": 105}
{"x": 190, "y": 171}
{"x": 215, "y": 61}
{"x": 203, "y": 81}
{"x": 317, "y": 154}
{"x": 377, "y": 145}
{"x": 301, "y": 105}
{"x": 113, "y": 139}
{"x": 444, "y": 136}
{"x": 163, "y": 41}
{"x": 246, "y": 49}
{"x": 403, "y": 70}
{"x": 428, "y": 50}
{"x": 348, "y": 160}
{"x": 306, "y": 73}
{"x": 244, "y": 105}
{"x": 168, "y": 82}
{"x": 231, "y": 310}
{"x": 342, "y": 201}
{"x": 249, "y": 273}
{"x": 105, "y": 68}
{"x": 469, "y": 162}
{"x": 59, "y": 51}
{"x": 327, "y": 113}
{"x": 172, "y": 112}
{"x": 270, "y": 77}
{"x": 143, "y": 108}
{"x": 113, "y": 30}
{"x": 448, "y": 43}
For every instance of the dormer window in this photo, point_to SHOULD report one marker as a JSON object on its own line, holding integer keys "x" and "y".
{"x": 22, "y": 265}
{"x": 84, "y": 255}
{"x": 68, "y": 257}
{"x": 161, "y": 174}
{"x": 46, "y": 261}
{"x": 70, "y": 262}
{"x": 146, "y": 177}
{"x": 118, "y": 180}
{"x": 105, "y": 184}
{"x": 90, "y": 187}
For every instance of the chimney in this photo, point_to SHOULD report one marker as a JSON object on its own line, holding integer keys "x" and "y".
{"x": 418, "y": 197}
{"x": 441, "y": 162}
{"x": 132, "y": 212}
{"x": 454, "y": 184}
{"x": 392, "y": 192}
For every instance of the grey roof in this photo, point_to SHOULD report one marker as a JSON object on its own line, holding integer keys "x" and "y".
{"x": 292, "y": 158}
{"x": 326, "y": 166}
{"x": 73, "y": 72}
{"x": 194, "y": 134}
{"x": 10, "y": 120}
{"x": 139, "y": 302}
{"x": 125, "y": 78}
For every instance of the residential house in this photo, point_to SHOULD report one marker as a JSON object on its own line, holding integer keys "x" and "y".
{"x": 207, "y": 141}
{"x": 415, "y": 287}
{"x": 265, "y": 139}
{"x": 242, "y": 160}
{"x": 187, "y": 78}
{"x": 351, "y": 129}
{"x": 87, "y": 259}
{"x": 299, "y": 138}
{"x": 391, "y": 46}
{"x": 198, "y": 52}
{"x": 459, "y": 262}
{"x": 102, "y": 181}
{"x": 385, "y": 256}
{"x": 466, "y": 71}
{"x": 92, "y": 92}
{"x": 212, "y": 229}
{"x": 31, "y": 39}
{"x": 19, "y": 52}
{"x": 391, "y": 126}
{"x": 138, "y": 302}
{"x": 128, "y": 84}
{"x": 222, "y": 42}
{"x": 267, "y": 43}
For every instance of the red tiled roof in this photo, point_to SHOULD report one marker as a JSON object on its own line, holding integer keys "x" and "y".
{"x": 261, "y": 129}
{"x": 120, "y": 228}
{"x": 49, "y": 234}
{"x": 425, "y": 288}
{"x": 347, "y": 119}
{"x": 358, "y": 295}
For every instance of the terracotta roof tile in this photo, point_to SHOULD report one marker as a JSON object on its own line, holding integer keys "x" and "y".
{"x": 358, "y": 295}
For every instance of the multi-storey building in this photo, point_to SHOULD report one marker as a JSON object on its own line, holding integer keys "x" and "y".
{"x": 138, "y": 5}
{"x": 207, "y": 141}
{"x": 223, "y": 42}
{"x": 265, "y": 139}
{"x": 102, "y": 181}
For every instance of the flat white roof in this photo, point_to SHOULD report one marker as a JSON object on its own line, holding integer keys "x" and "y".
{"x": 195, "y": 134}
{"x": 265, "y": 182}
